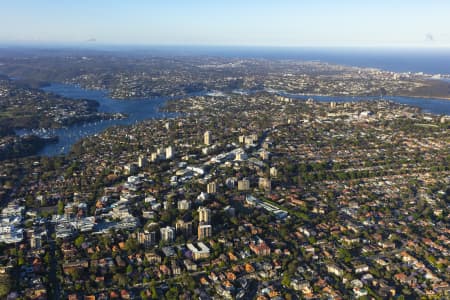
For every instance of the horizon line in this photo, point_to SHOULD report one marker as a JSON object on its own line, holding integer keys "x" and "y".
{"x": 96, "y": 44}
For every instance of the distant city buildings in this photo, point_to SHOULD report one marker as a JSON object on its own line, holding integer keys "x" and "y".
{"x": 264, "y": 184}
{"x": 167, "y": 234}
{"x": 204, "y": 215}
{"x": 184, "y": 204}
{"x": 170, "y": 152}
{"x": 131, "y": 169}
{"x": 211, "y": 188}
{"x": 248, "y": 140}
{"x": 244, "y": 185}
{"x": 147, "y": 238}
{"x": 273, "y": 172}
{"x": 241, "y": 155}
{"x": 142, "y": 161}
{"x": 264, "y": 154}
{"x": 199, "y": 251}
{"x": 207, "y": 138}
{"x": 317, "y": 192}
{"x": 35, "y": 242}
{"x": 184, "y": 227}
{"x": 204, "y": 231}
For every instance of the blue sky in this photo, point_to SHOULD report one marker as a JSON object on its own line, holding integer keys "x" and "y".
{"x": 228, "y": 22}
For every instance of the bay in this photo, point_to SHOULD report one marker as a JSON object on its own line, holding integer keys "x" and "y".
{"x": 136, "y": 110}
{"x": 143, "y": 109}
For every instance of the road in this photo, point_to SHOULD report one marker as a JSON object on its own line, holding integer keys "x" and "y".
{"x": 55, "y": 290}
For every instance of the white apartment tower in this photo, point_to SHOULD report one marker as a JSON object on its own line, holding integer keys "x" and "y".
{"x": 204, "y": 215}
{"x": 211, "y": 188}
{"x": 207, "y": 138}
{"x": 167, "y": 234}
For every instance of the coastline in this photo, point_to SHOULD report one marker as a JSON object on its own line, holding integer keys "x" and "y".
{"x": 362, "y": 96}
{"x": 423, "y": 97}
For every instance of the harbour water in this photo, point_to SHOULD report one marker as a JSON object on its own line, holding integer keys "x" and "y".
{"x": 135, "y": 110}
{"x": 143, "y": 109}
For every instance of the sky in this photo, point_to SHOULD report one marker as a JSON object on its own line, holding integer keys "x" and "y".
{"x": 228, "y": 22}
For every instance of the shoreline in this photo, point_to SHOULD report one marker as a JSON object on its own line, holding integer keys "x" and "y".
{"x": 361, "y": 96}
{"x": 423, "y": 97}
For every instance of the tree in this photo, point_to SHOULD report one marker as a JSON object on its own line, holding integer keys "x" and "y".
{"x": 47, "y": 258}
{"x": 154, "y": 293}
{"x": 120, "y": 279}
{"x": 60, "y": 207}
{"x": 129, "y": 269}
{"x": 144, "y": 295}
{"x": 345, "y": 255}
{"x": 5, "y": 286}
{"x": 131, "y": 245}
{"x": 188, "y": 282}
{"x": 79, "y": 241}
{"x": 21, "y": 261}
{"x": 153, "y": 290}
{"x": 286, "y": 281}
{"x": 172, "y": 293}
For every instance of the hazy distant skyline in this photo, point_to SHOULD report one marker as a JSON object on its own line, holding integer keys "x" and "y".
{"x": 246, "y": 23}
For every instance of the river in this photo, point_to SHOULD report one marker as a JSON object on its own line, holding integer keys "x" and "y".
{"x": 143, "y": 109}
